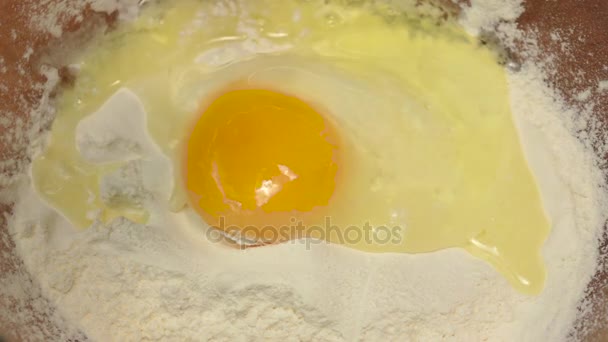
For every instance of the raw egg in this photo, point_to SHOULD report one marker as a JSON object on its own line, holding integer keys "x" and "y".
{"x": 379, "y": 134}
{"x": 261, "y": 159}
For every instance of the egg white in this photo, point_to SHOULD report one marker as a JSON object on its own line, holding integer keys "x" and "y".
{"x": 431, "y": 147}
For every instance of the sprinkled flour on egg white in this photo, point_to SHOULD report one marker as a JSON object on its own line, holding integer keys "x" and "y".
{"x": 131, "y": 282}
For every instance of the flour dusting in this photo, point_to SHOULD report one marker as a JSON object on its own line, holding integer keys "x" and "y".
{"x": 129, "y": 281}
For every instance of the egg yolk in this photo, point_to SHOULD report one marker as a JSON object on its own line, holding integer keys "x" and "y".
{"x": 258, "y": 162}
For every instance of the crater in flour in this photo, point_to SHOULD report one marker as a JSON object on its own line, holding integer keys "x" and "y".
{"x": 123, "y": 270}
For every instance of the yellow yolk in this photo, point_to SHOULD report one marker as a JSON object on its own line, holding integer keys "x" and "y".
{"x": 258, "y": 160}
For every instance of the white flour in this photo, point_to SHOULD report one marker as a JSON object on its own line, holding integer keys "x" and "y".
{"x": 131, "y": 282}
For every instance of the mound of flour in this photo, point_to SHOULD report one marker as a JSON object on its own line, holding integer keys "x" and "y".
{"x": 127, "y": 281}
